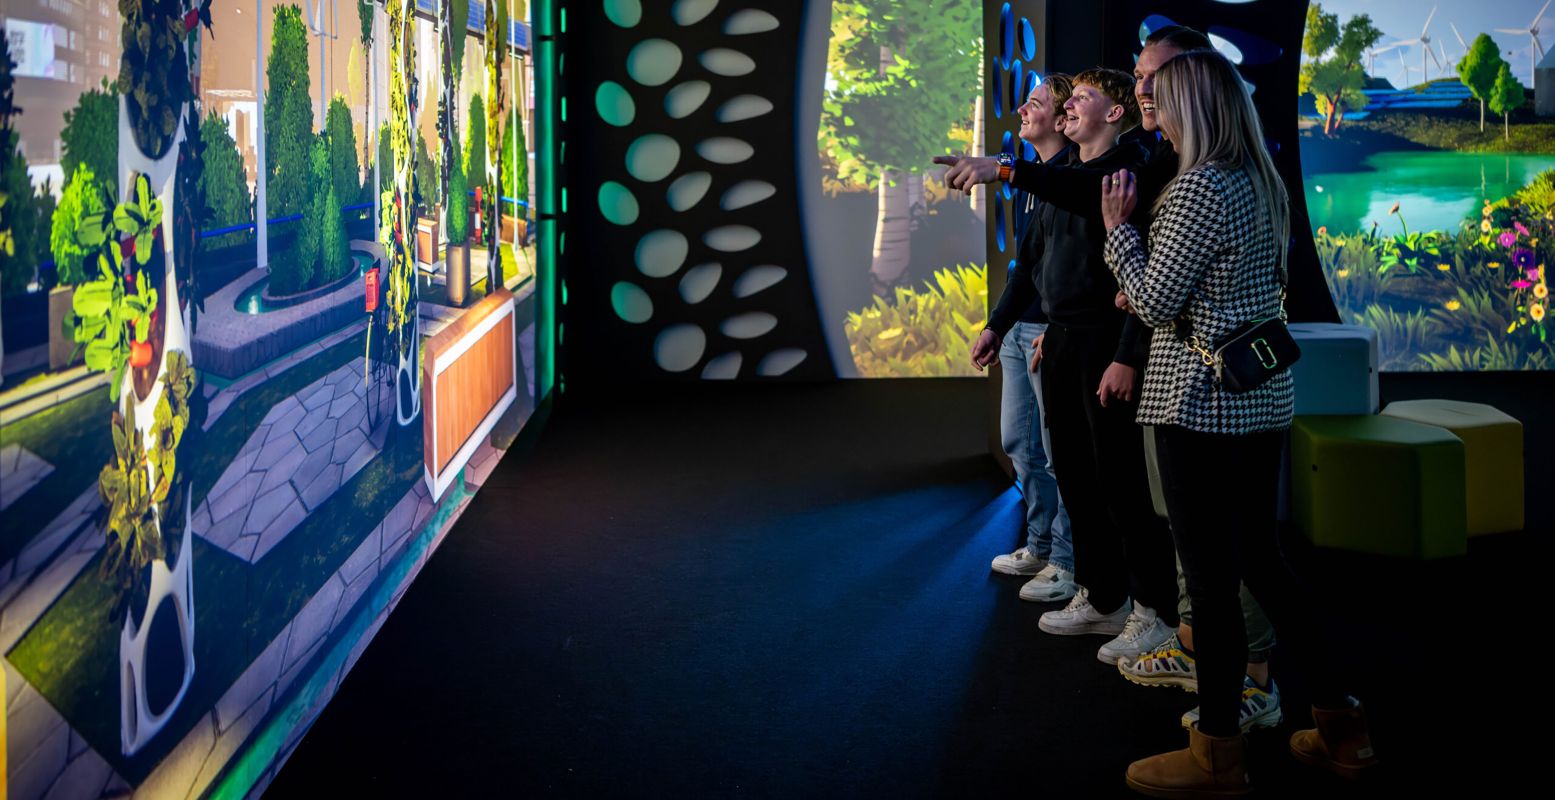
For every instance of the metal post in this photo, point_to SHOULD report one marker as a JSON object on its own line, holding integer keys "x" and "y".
{"x": 261, "y": 229}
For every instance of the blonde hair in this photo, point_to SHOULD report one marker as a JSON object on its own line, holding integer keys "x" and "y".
{"x": 1118, "y": 86}
{"x": 1207, "y": 113}
{"x": 1060, "y": 87}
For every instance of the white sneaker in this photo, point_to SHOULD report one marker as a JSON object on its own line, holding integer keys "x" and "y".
{"x": 1143, "y": 633}
{"x": 1260, "y": 708}
{"x": 1052, "y": 584}
{"x": 1080, "y": 617}
{"x": 1020, "y": 562}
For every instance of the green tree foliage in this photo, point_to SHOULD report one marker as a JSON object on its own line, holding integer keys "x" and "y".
{"x": 83, "y": 195}
{"x": 345, "y": 174}
{"x": 334, "y": 245}
{"x": 226, "y": 189}
{"x": 475, "y": 144}
{"x": 904, "y": 72}
{"x": 385, "y": 160}
{"x": 1506, "y": 96}
{"x": 515, "y": 174}
{"x": 19, "y": 216}
{"x": 458, "y": 204}
{"x": 459, "y": 19}
{"x": 426, "y": 176}
{"x": 91, "y": 136}
{"x": 288, "y": 114}
{"x": 1333, "y": 72}
{"x": 1478, "y": 70}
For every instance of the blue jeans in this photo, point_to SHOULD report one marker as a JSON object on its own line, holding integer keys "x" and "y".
{"x": 1025, "y": 440}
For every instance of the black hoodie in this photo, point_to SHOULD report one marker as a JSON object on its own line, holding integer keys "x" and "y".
{"x": 1065, "y": 251}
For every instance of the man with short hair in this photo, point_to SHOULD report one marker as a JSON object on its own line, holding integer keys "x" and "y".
{"x": 1090, "y": 356}
{"x": 1014, "y": 326}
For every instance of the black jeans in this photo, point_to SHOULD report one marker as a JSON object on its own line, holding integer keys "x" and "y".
{"x": 1121, "y": 548}
{"x": 1221, "y": 492}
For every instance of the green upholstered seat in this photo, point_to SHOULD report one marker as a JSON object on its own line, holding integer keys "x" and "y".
{"x": 1493, "y": 457}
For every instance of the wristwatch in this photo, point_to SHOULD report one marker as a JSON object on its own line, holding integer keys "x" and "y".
{"x": 1006, "y": 166}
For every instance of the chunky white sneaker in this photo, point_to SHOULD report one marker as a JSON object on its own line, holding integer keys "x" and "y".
{"x": 1020, "y": 562}
{"x": 1052, "y": 584}
{"x": 1080, "y": 617}
{"x": 1260, "y": 707}
{"x": 1142, "y": 633}
{"x": 1167, "y": 665}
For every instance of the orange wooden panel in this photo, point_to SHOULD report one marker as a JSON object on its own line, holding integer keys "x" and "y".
{"x": 457, "y": 400}
{"x": 469, "y": 389}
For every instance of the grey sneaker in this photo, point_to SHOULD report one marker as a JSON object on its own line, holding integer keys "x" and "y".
{"x": 1260, "y": 707}
{"x": 1142, "y": 633}
{"x": 1020, "y": 562}
{"x": 1052, "y": 584}
{"x": 1080, "y": 617}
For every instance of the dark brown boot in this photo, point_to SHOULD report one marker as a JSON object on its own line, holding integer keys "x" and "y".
{"x": 1211, "y": 767}
{"x": 1340, "y": 743}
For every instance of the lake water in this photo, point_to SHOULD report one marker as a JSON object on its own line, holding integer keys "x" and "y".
{"x": 1435, "y": 190}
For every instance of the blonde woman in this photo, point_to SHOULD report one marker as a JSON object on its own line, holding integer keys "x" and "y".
{"x": 1216, "y": 260}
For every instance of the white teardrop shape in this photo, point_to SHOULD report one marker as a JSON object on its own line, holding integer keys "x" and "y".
{"x": 679, "y": 347}
{"x": 746, "y": 106}
{"x": 690, "y": 12}
{"x": 652, "y": 157}
{"x": 755, "y": 279}
{"x": 685, "y": 99}
{"x": 750, "y": 20}
{"x": 653, "y": 62}
{"x": 779, "y": 362}
{"x": 748, "y": 325}
{"x": 699, "y": 282}
{"x": 688, "y": 190}
{"x": 746, "y": 193}
{"x": 659, "y": 253}
{"x": 631, "y": 303}
{"x": 723, "y": 368}
{"x": 726, "y": 62}
{"x": 732, "y": 238}
{"x": 725, "y": 150}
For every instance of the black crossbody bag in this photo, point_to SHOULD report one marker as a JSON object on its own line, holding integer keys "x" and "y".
{"x": 1249, "y": 356}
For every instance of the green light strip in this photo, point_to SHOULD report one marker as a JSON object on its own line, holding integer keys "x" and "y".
{"x": 543, "y": 16}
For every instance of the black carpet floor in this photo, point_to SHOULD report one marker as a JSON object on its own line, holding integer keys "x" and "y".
{"x": 784, "y": 591}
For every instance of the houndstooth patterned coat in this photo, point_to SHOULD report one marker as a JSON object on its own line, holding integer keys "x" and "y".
{"x": 1213, "y": 265}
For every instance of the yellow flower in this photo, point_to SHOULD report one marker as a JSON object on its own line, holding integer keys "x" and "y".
{"x": 1511, "y": 327}
{"x": 1541, "y": 291}
{"x": 1485, "y": 212}
{"x": 1484, "y": 225}
{"x": 1343, "y": 273}
{"x": 1453, "y": 305}
{"x": 1444, "y": 266}
{"x": 1537, "y": 312}
{"x": 1493, "y": 264}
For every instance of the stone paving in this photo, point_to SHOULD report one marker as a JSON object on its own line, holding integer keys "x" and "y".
{"x": 307, "y": 447}
{"x": 20, "y": 470}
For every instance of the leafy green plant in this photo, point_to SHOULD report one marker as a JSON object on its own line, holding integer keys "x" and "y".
{"x": 515, "y": 174}
{"x": 922, "y": 333}
{"x": 154, "y": 68}
{"x": 83, "y": 196}
{"x": 426, "y": 177}
{"x": 226, "y": 189}
{"x": 112, "y": 313}
{"x": 1493, "y": 355}
{"x": 288, "y": 114}
{"x": 130, "y": 499}
{"x": 1401, "y": 335}
{"x": 91, "y": 137}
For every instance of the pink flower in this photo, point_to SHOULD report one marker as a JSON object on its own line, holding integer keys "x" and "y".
{"x": 1520, "y": 229}
{"x": 1521, "y": 284}
{"x": 1533, "y": 273}
{"x": 1508, "y": 239}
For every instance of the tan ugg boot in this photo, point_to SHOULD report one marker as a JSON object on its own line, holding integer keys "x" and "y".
{"x": 1211, "y": 767}
{"x": 1340, "y": 743}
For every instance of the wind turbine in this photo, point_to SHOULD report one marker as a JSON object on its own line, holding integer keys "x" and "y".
{"x": 1371, "y": 58}
{"x": 1425, "y": 43}
{"x": 1537, "y": 51}
{"x": 1403, "y": 64}
{"x": 1461, "y": 43}
{"x": 1441, "y": 65}
{"x": 315, "y": 14}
